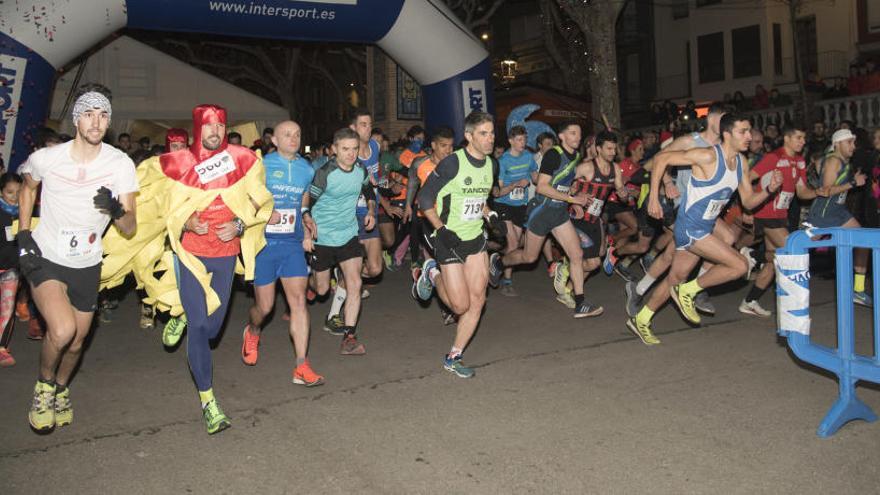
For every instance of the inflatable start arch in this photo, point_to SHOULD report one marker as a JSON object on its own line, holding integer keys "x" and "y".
{"x": 37, "y": 37}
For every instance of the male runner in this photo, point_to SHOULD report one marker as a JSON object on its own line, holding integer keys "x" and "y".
{"x": 517, "y": 171}
{"x": 548, "y": 213}
{"x": 330, "y": 213}
{"x": 288, "y": 176}
{"x": 86, "y": 184}
{"x": 838, "y": 175}
{"x": 716, "y": 173}
{"x": 454, "y": 201}
{"x": 391, "y": 223}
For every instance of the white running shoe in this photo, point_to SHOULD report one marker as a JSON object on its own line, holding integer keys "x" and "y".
{"x": 747, "y": 252}
{"x": 754, "y": 308}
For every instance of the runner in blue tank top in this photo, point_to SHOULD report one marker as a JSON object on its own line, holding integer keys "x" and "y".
{"x": 716, "y": 173}
{"x": 288, "y": 176}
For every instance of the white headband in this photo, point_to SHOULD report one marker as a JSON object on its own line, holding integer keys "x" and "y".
{"x": 90, "y": 101}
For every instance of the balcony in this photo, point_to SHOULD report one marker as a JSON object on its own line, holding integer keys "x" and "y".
{"x": 864, "y": 110}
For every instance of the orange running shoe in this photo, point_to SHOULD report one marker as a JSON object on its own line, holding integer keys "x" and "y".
{"x": 22, "y": 312}
{"x": 304, "y": 375}
{"x": 250, "y": 346}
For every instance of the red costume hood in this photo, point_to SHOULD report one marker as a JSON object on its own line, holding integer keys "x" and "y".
{"x": 175, "y": 135}
{"x": 206, "y": 114}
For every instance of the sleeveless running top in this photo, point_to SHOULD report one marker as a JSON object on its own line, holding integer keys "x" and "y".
{"x": 601, "y": 188}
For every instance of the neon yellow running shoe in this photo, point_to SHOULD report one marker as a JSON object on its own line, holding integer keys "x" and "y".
{"x": 173, "y": 330}
{"x": 642, "y": 331}
{"x": 42, "y": 413}
{"x": 567, "y": 298}
{"x": 63, "y": 409}
{"x": 560, "y": 275}
{"x": 215, "y": 420}
{"x": 685, "y": 303}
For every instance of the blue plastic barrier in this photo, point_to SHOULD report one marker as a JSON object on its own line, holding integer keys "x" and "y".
{"x": 793, "y": 294}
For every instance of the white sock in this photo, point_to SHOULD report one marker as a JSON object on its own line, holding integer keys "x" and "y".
{"x": 455, "y": 352}
{"x": 338, "y": 301}
{"x": 644, "y": 284}
{"x": 703, "y": 270}
{"x": 432, "y": 274}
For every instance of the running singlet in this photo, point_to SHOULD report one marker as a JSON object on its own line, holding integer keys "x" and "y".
{"x": 683, "y": 174}
{"x": 703, "y": 200}
{"x": 70, "y": 228}
{"x": 600, "y": 188}
{"x": 560, "y": 166}
{"x": 371, "y": 164}
{"x": 287, "y": 180}
{"x": 334, "y": 194}
{"x": 794, "y": 172}
{"x": 832, "y": 204}
{"x": 514, "y": 169}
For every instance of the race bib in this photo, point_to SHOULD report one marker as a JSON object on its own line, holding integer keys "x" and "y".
{"x": 595, "y": 208}
{"x": 9, "y": 235}
{"x": 783, "y": 200}
{"x": 286, "y": 225}
{"x": 75, "y": 243}
{"x": 714, "y": 209}
{"x": 518, "y": 194}
{"x": 471, "y": 209}
{"x": 214, "y": 167}
{"x": 563, "y": 189}
{"x": 841, "y": 198}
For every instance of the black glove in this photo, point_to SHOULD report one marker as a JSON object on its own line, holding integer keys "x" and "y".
{"x": 105, "y": 201}
{"x": 497, "y": 226}
{"x": 449, "y": 238}
{"x": 28, "y": 253}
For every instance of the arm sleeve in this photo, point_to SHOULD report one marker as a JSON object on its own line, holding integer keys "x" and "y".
{"x": 442, "y": 175}
{"x": 367, "y": 188}
{"x": 412, "y": 185}
{"x": 319, "y": 183}
{"x": 551, "y": 162}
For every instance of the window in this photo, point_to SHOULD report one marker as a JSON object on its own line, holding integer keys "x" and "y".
{"x": 710, "y": 57}
{"x": 704, "y": 3}
{"x": 746, "y": 43}
{"x": 777, "y": 49}
{"x": 680, "y": 9}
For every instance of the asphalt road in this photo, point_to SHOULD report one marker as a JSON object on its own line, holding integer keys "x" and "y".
{"x": 558, "y": 406}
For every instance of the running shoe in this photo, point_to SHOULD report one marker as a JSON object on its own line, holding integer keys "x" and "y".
{"x": 215, "y": 420}
{"x": 567, "y": 298}
{"x": 350, "y": 345}
{"x": 642, "y": 331}
{"x": 6, "y": 359}
{"x": 310, "y": 295}
{"x": 863, "y": 299}
{"x": 703, "y": 304}
{"x": 610, "y": 261}
{"x": 754, "y": 309}
{"x": 448, "y": 316}
{"x": 173, "y": 330}
{"x": 685, "y": 304}
{"x": 304, "y": 375}
{"x": 250, "y": 346}
{"x": 423, "y": 287}
{"x": 550, "y": 268}
{"x": 335, "y": 325}
{"x": 147, "y": 317}
{"x": 455, "y": 366}
{"x": 389, "y": 262}
{"x": 633, "y": 299}
{"x": 63, "y": 409}
{"x": 624, "y": 273}
{"x": 560, "y": 275}
{"x": 35, "y": 328}
{"x": 646, "y": 261}
{"x": 496, "y": 269}
{"x": 415, "y": 269}
{"x": 42, "y": 413}
{"x": 747, "y": 252}
{"x": 507, "y": 288}
{"x": 22, "y": 312}
{"x": 365, "y": 294}
{"x": 586, "y": 310}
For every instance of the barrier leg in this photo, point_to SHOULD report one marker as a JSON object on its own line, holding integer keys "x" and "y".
{"x": 847, "y": 408}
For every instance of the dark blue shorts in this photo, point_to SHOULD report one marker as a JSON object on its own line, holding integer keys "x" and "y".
{"x": 281, "y": 258}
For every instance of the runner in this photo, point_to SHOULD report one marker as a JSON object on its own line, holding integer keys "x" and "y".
{"x": 288, "y": 175}
{"x": 624, "y": 248}
{"x": 391, "y": 222}
{"x": 86, "y": 184}
{"x": 517, "y": 171}
{"x": 548, "y": 213}
{"x": 838, "y": 176}
{"x": 771, "y": 219}
{"x": 330, "y": 214}
{"x": 716, "y": 174}
{"x": 454, "y": 201}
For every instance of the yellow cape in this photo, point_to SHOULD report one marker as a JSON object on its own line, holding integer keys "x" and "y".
{"x": 163, "y": 206}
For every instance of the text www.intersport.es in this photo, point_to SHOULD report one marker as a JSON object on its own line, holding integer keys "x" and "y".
{"x": 260, "y": 9}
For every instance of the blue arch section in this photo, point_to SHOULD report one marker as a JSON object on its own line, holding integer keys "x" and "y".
{"x": 455, "y": 80}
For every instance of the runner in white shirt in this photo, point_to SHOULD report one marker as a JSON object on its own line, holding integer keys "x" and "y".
{"x": 86, "y": 184}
